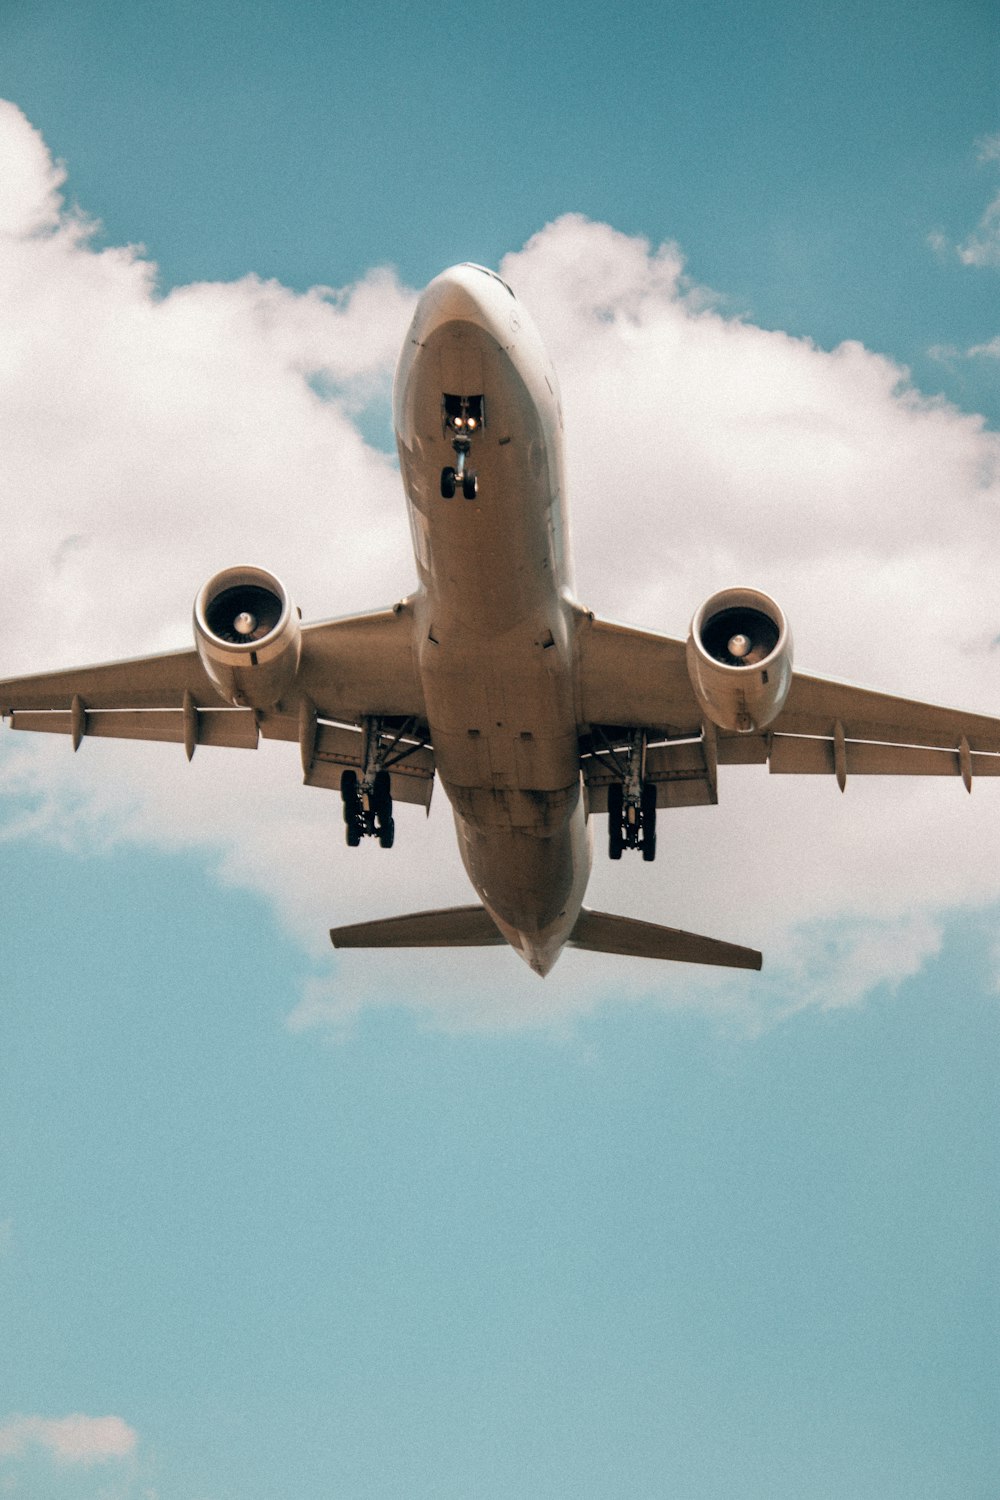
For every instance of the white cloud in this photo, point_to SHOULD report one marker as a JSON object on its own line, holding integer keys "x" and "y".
{"x": 149, "y": 440}
{"x": 30, "y": 182}
{"x": 982, "y": 247}
{"x": 69, "y": 1440}
{"x": 989, "y": 350}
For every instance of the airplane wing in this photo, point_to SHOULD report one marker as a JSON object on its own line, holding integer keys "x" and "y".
{"x": 351, "y": 669}
{"x": 633, "y": 679}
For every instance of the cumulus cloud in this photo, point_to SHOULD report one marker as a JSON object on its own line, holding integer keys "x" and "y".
{"x": 69, "y": 1440}
{"x": 150, "y": 440}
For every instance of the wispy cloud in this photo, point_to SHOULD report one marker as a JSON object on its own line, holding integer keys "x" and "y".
{"x": 69, "y": 1440}
{"x": 982, "y": 246}
{"x": 948, "y": 353}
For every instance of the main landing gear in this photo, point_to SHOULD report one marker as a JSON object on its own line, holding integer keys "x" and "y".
{"x": 368, "y": 799}
{"x": 632, "y": 805}
{"x": 463, "y": 415}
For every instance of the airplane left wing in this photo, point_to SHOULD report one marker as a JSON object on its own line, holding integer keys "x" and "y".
{"x": 353, "y": 669}
{"x": 631, "y": 680}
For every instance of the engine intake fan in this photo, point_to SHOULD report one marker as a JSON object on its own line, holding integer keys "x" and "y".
{"x": 739, "y": 656}
{"x": 248, "y": 636}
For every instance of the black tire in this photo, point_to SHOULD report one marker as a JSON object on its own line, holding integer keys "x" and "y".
{"x": 649, "y": 847}
{"x": 470, "y": 486}
{"x": 387, "y": 834}
{"x": 353, "y": 833}
{"x": 448, "y": 478}
{"x": 648, "y": 806}
{"x": 382, "y": 796}
{"x": 349, "y": 792}
{"x": 616, "y": 833}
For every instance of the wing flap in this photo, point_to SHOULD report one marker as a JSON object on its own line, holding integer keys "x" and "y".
{"x": 232, "y": 727}
{"x": 603, "y": 932}
{"x": 816, "y": 705}
{"x": 338, "y": 748}
{"x": 793, "y": 755}
{"x": 449, "y": 927}
{"x": 680, "y": 771}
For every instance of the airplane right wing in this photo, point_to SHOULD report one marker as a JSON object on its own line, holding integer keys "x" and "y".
{"x": 631, "y": 680}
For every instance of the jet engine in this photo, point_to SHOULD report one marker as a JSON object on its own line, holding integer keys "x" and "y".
{"x": 248, "y": 636}
{"x": 739, "y": 659}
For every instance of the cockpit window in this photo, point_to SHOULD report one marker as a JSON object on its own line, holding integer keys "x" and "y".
{"x": 471, "y": 264}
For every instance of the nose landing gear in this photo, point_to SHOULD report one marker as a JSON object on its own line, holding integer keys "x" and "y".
{"x": 462, "y": 415}
{"x": 460, "y": 474}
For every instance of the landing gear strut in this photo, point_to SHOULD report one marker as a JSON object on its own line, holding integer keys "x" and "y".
{"x": 463, "y": 415}
{"x": 632, "y": 805}
{"x": 368, "y": 799}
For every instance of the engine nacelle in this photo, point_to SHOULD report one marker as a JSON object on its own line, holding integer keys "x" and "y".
{"x": 248, "y": 636}
{"x": 739, "y": 659}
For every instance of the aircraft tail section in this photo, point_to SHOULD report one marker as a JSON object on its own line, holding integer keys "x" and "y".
{"x": 450, "y": 927}
{"x": 602, "y": 932}
{"x": 598, "y": 931}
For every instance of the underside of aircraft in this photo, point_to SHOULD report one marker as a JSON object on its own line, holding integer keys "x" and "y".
{"x": 535, "y": 714}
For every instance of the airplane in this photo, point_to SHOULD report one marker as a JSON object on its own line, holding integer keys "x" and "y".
{"x": 534, "y": 713}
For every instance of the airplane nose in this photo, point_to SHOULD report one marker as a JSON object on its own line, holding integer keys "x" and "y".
{"x": 459, "y": 293}
{"x": 467, "y": 294}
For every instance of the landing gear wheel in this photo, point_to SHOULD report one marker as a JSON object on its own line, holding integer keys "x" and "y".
{"x": 382, "y": 796}
{"x": 448, "y": 478}
{"x": 648, "y": 807}
{"x": 349, "y": 793}
{"x": 387, "y": 833}
{"x": 352, "y": 821}
{"x": 616, "y": 839}
{"x": 470, "y": 486}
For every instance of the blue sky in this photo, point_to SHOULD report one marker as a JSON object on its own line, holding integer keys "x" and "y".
{"x": 274, "y": 1224}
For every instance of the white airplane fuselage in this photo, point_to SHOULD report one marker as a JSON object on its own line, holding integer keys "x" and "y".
{"x": 494, "y": 618}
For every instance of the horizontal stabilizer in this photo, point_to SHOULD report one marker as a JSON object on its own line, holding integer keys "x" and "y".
{"x": 451, "y": 927}
{"x": 602, "y": 932}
